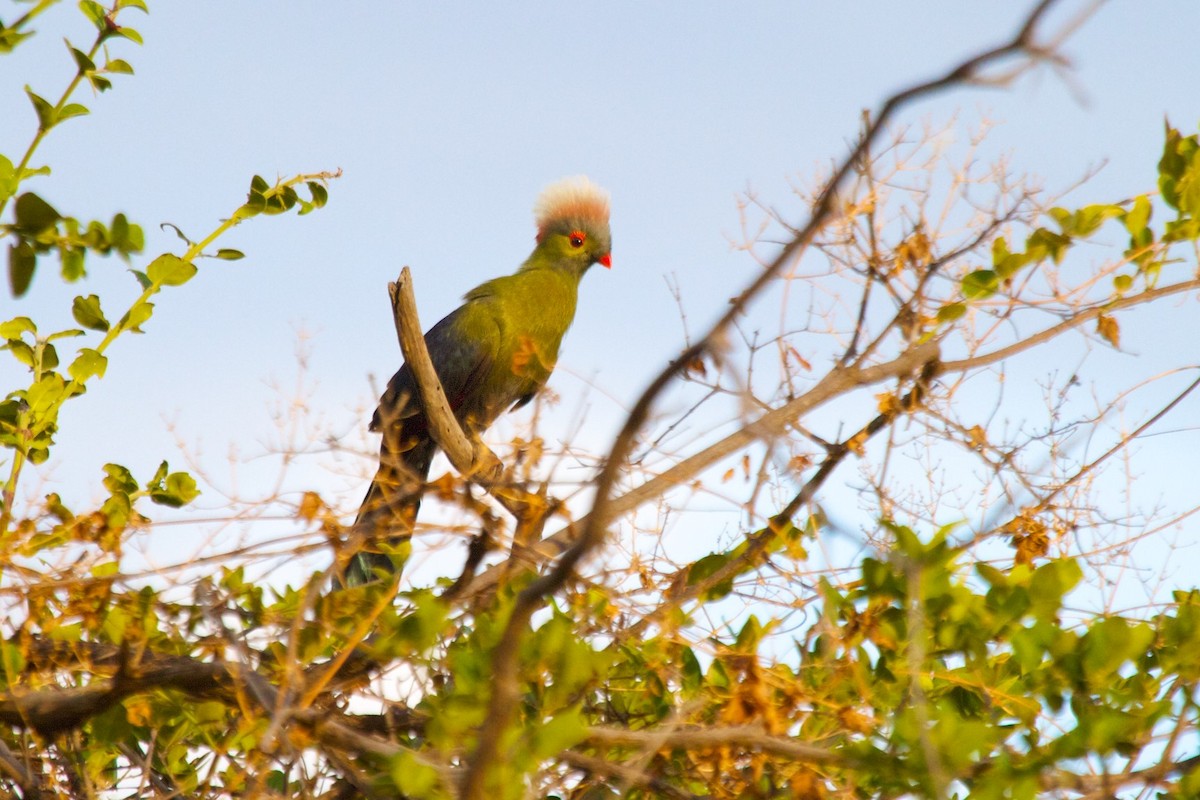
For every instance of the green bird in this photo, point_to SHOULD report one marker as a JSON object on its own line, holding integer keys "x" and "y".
{"x": 492, "y": 354}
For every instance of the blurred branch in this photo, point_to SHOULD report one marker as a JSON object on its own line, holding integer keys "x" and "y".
{"x": 18, "y": 773}
{"x": 753, "y": 737}
{"x": 55, "y": 710}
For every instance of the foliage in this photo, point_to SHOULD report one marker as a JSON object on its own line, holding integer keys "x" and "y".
{"x": 931, "y": 664}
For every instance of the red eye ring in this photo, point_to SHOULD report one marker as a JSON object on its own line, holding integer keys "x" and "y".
{"x": 578, "y": 238}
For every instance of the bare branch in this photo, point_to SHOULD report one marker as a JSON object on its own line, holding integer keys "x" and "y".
{"x": 442, "y": 424}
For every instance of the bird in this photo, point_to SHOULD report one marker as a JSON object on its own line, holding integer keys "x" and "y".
{"x": 493, "y": 353}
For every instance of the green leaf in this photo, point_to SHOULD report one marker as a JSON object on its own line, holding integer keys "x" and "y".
{"x": 11, "y": 37}
{"x": 749, "y": 636}
{"x": 1063, "y": 218}
{"x": 170, "y": 270}
{"x": 1089, "y": 218}
{"x": 82, "y": 60}
{"x": 72, "y": 110}
{"x": 177, "y": 490}
{"x": 45, "y": 111}
{"x": 73, "y": 263}
{"x": 87, "y": 313}
{"x": 49, "y": 356}
{"x": 118, "y": 65}
{"x": 12, "y": 660}
{"x": 320, "y": 195}
{"x": 562, "y": 732}
{"x": 951, "y": 312}
{"x": 22, "y": 262}
{"x": 29, "y": 172}
{"x": 21, "y": 351}
{"x": 706, "y": 567}
{"x": 228, "y": 254}
{"x": 119, "y": 231}
{"x": 142, "y": 278}
{"x": 119, "y": 480}
{"x": 133, "y": 4}
{"x": 8, "y": 179}
{"x": 136, "y": 316}
{"x": 67, "y": 334}
{"x": 980, "y": 283}
{"x": 413, "y": 777}
{"x": 1121, "y": 283}
{"x": 89, "y": 363}
{"x": 128, "y": 33}
{"x": 33, "y": 214}
{"x": 1044, "y": 242}
{"x": 1138, "y": 217}
{"x": 17, "y": 326}
{"x": 94, "y": 12}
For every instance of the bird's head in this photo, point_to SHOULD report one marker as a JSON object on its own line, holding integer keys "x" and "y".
{"x": 572, "y": 222}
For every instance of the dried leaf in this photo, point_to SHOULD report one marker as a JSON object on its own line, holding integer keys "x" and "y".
{"x": 793, "y": 353}
{"x": 310, "y": 506}
{"x": 855, "y": 721}
{"x": 444, "y": 487}
{"x": 728, "y": 476}
{"x": 888, "y": 404}
{"x": 857, "y": 443}
{"x": 1107, "y": 327}
{"x": 977, "y": 437}
{"x": 800, "y": 463}
{"x": 913, "y": 251}
{"x": 1030, "y": 537}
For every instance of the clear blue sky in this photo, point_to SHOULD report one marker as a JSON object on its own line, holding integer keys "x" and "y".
{"x": 447, "y": 121}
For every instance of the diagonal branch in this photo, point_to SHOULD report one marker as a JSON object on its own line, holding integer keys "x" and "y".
{"x": 443, "y": 425}
{"x": 472, "y": 459}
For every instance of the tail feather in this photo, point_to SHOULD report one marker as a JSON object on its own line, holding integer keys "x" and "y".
{"x": 388, "y": 513}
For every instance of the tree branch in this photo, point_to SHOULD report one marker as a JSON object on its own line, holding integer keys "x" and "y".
{"x": 443, "y": 425}
{"x": 472, "y": 458}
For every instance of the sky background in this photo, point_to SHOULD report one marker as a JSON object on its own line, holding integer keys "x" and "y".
{"x": 446, "y": 122}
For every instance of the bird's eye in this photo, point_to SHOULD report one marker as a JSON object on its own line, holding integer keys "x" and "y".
{"x": 578, "y": 238}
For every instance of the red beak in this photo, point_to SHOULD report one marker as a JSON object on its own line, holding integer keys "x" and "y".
{"x": 606, "y": 260}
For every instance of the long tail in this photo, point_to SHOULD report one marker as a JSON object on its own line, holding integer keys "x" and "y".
{"x": 389, "y": 511}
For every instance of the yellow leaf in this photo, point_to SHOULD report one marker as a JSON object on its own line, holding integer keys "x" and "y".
{"x": 138, "y": 712}
{"x": 1107, "y": 327}
{"x": 857, "y": 443}
{"x": 855, "y": 721}
{"x": 888, "y": 403}
{"x": 728, "y": 476}
{"x": 310, "y": 506}
{"x": 913, "y": 251}
{"x": 1030, "y": 537}
{"x": 977, "y": 437}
